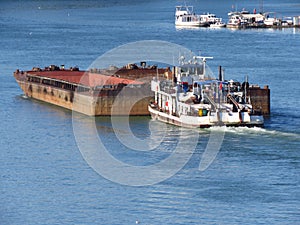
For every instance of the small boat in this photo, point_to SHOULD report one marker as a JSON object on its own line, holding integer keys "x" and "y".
{"x": 271, "y": 20}
{"x": 235, "y": 20}
{"x": 185, "y": 16}
{"x": 193, "y": 98}
{"x": 217, "y": 24}
{"x": 209, "y": 18}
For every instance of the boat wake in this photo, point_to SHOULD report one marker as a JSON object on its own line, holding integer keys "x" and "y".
{"x": 257, "y": 131}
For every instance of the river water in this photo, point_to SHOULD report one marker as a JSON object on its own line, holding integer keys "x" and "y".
{"x": 45, "y": 178}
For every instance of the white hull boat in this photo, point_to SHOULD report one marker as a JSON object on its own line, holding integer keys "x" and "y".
{"x": 206, "y": 121}
{"x": 218, "y": 24}
{"x": 194, "y": 99}
{"x": 185, "y": 17}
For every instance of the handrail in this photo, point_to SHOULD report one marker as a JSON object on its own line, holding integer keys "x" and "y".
{"x": 234, "y": 101}
{"x": 211, "y": 101}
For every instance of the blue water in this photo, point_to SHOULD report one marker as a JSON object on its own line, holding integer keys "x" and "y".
{"x": 44, "y": 177}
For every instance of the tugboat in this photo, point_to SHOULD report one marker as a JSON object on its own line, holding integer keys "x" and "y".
{"x": 193, "y": 98}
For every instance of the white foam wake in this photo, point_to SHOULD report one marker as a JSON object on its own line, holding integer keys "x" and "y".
{"x": 254, "y": 131}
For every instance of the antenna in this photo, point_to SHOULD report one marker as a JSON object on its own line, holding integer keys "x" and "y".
{"x": 245, "y": 88}
{"x": 261, "y": 6}
{"x": 203, "y": 58}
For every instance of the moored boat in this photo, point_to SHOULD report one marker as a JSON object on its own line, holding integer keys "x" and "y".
{"x": 235, "y": 20}
{"x": 245, "y": 19}
{"x": 270, "y": 19}
{"x": 211, "y": 20}
{"x": 217, "y": 24}
{"x": 185, "y": 17}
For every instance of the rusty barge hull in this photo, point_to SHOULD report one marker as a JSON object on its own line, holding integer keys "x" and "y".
{"x": 260, "y": 99}
{"x": 87, "y": 104}
{"x": 114, "y": 97}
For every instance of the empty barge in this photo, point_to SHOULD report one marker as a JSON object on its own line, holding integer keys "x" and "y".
{"x": 88, "y": 92}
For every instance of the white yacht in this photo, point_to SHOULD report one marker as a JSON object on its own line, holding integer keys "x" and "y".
{"x": 185, "y": 16}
